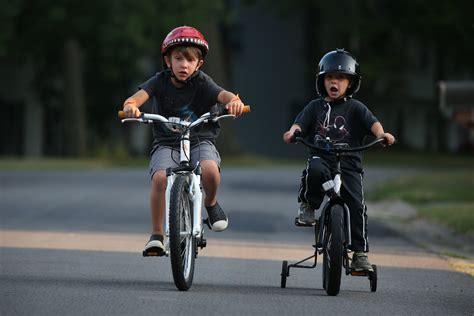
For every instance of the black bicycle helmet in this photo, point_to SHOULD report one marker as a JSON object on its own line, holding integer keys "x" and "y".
{"x": 338, "y": 61}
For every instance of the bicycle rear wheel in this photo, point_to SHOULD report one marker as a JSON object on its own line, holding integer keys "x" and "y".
{"x": 333, "y": 251}
{"x": 181, "y": 240}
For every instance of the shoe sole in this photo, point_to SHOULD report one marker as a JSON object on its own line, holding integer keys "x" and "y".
{"x": 362, "y": 270}
{"x": 219, "y": 225}
{"x": 155, "y": 249}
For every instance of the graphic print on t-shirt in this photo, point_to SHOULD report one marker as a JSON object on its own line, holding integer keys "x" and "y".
{"x": 335, "y": 130}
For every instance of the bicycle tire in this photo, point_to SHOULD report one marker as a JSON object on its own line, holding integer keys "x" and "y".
{"x": 333, "y": 251}
{"x": 181, "y": 240}
{"x": 284, "y": 273}
{"x": 373, "y": 279}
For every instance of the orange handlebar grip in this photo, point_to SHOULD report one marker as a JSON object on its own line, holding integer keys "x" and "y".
{"x": 121, "y": 114}
{"x": 246, "y": 109}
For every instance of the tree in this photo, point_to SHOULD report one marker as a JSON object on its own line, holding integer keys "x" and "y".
{"x": 86, "y": 56}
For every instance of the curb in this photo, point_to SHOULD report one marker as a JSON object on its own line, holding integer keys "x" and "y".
{"x": 457, "y": 249}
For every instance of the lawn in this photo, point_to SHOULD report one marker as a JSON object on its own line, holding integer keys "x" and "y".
{"x": 445, "y": 197}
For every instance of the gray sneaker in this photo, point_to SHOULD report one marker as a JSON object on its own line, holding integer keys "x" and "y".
{"x": 306, "y": 214}
{"x": 360, "y": 262}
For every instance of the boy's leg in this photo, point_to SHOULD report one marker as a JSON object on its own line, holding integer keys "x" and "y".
{"x": 210, "y": 160}
{"x": 160, "y": 160}
{"x": 316, "y": 173}
{"x": 210, "y": 182}
{"x": 157, "y": 201}
{"x": 208, "y": 156}
{"x": 353, "y": 193}
{"x": 211, "y": 179}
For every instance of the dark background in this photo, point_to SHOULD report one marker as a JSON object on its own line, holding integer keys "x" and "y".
{"x": 67, "y": 66}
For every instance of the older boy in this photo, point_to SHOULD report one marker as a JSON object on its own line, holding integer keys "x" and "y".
{"x": 183, "y": 90}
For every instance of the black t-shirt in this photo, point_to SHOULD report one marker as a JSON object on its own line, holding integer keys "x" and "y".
{"x": 191, "y": 101}
{"x": 343, "y": 121}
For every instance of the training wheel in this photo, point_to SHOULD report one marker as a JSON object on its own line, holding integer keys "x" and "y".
{"x": 284, "y": 273}
{"x": 373, "y": 279}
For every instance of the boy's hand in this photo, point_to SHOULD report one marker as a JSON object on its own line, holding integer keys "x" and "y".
{"x": 131, "y": 111}
{"x": 288, "y": 137}
{"x": 235, "y": 106}
{"x": 389, "y": 138}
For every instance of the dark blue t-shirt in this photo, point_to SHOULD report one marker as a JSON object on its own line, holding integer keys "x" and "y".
{"x": 190, "y": 101}
{"x": 342, "y": 121}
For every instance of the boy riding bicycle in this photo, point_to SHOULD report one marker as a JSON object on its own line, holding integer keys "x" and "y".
{"x": 183, "y": 90}
{"x": 340, "y": 118}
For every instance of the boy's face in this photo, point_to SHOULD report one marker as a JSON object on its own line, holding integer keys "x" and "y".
{"x": 183, "y": 65}
{"x": 336, "y": 85}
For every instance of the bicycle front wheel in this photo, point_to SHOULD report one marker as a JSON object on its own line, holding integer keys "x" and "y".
{"x": 181, "y": 240}
{"x": 333, "y": 251}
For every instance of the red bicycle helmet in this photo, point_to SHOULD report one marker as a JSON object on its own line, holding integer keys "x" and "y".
{"x": 185, "y": 35}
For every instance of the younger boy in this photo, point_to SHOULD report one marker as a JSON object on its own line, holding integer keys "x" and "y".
{"x": 339, "y": 117}
{"x": 183, "y": 90}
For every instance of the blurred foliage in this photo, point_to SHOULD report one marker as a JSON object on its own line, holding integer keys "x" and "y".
{"x": 120, "y": 42}
{"x": 395, "y": 39}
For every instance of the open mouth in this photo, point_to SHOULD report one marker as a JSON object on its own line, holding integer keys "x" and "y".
{"x": 334, "y": 89}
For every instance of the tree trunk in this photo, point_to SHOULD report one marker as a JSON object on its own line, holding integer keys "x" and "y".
{"x": 74, "y": 104}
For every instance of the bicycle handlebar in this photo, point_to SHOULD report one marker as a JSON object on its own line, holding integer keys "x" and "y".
{"x": 155, "y": 117}
{"x": 178, "y": 124}
{"x": 337, "y": 147}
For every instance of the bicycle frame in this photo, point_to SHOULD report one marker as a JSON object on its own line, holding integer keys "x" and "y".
{"x": 327, "y": 211}
{"x": 184, "y": 128}
{"x": 333, "y": 187}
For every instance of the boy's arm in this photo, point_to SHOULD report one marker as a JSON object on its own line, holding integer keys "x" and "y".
{"x": 131, "y": 105}
{"x": 288, "y": 135}
{"x": 377, "y": 130}
{"x": 232, "y": 102}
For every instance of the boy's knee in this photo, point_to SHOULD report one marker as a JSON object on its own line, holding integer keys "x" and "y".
{"x": 159, "y": 180}
{"x": 209, "y": 168}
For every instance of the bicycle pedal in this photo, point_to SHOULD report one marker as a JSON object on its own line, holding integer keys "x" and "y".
{"x": 152, "y": 253}
{"x": 359, "y": 273}
{"x": 202, "y": 243}
{"x": 303, "y": 224}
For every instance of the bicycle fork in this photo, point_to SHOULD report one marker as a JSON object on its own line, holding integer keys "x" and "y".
{"x": 195, "y": 193}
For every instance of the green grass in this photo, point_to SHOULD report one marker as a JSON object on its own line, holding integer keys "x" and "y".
{"x": 458, "y": 216}
{"x": 396, "y": 157}
{"x": 441, "y": 196}
{"x": 429, "y": 187}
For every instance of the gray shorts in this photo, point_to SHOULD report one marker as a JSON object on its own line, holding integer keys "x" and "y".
{"x": 166, "y": 157}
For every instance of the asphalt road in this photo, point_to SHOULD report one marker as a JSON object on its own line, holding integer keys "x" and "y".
{"x": 70, "y": 243}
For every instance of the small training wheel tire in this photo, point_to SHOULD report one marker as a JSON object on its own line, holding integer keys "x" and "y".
{"x": 373, "y": 279}
{"x": 284, "y": 273}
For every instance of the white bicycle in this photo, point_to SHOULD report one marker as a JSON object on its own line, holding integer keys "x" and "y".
{"x": 184, "y": 222}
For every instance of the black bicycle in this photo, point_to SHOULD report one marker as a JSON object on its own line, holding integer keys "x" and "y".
{"x": 332, "y": 230}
